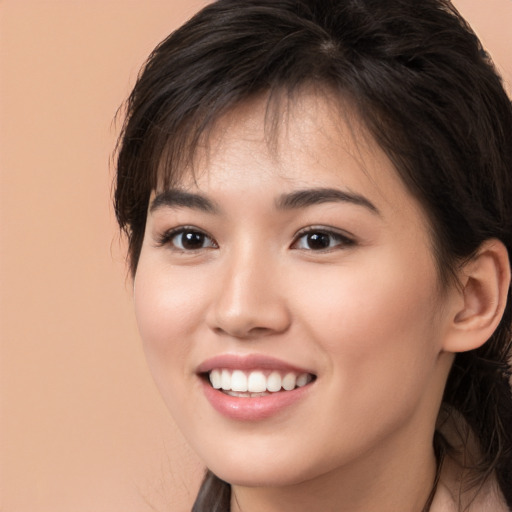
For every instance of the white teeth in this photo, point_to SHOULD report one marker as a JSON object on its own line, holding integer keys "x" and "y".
{"x": 302, "y": 380}
{"x": 238, "y": 381}
{"x": 226, "y": 380}
{"x": 245, "y": 395}
{"x": 274, "y": 382}
{"x": 216, "y": 379}
{"x": 289, "y": 381}
{"x": 255, "y": 383}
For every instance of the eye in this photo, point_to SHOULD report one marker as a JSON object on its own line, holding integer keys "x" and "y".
{"x": 187, "y": 239}
{"x": 321, "y": 240}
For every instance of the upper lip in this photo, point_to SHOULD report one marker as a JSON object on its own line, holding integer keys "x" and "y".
{"x": 247, "y": 363}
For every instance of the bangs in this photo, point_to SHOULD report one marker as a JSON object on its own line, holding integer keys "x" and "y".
{"x": 175, "y": 153}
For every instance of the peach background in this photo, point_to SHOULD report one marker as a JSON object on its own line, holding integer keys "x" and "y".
{"x": 82, "y": 426}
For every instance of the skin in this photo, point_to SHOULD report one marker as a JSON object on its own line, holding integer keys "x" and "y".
{"x": 367, "y": 316}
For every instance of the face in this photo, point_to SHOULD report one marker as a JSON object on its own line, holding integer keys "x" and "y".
{"x": 298, "y": 278}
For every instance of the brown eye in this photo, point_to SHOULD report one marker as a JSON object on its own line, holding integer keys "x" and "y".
{"x": 190, "y": 240}
{"x": 318, "y": 240}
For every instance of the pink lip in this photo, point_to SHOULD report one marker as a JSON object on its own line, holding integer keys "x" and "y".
{"x": 251, "y": 409}
{"x": 247, "y": 363}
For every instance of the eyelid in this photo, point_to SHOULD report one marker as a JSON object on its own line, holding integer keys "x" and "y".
{"x": 165, "y": 238}
{"x": 346, "y": 239}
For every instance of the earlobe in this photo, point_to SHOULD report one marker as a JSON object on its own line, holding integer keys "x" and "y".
{"x": 485, "y": 281}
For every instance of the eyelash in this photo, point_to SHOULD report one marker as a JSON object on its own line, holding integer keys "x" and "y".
{"x": 333, "y": 236}
{"x": 341, "y": 241}
{"x": 168, "y": 237}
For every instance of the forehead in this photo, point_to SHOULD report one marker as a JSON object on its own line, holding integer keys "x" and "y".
{"x": 311, "y": 139}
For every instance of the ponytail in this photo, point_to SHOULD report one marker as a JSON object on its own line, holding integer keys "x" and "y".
{"x": 214, "y": 495}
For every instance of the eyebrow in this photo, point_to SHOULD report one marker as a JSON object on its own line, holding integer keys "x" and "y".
{"x": 173, "y": 198}
{"x": 309, "y": 197}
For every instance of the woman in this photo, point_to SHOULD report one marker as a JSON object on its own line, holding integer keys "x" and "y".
{"x": 317, "y": 201}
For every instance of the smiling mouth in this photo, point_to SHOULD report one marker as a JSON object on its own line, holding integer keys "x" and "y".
{"x": 256, "y": 383}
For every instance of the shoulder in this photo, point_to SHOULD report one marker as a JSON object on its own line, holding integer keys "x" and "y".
{"x": 453, "y": 493}
{"x": 461, "y": 487}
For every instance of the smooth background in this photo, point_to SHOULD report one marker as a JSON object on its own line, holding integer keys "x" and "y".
{"x": 82, "y": 428}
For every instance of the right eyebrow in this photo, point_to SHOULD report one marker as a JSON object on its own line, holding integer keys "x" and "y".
{"x": 309, "y": 197}
{"x": 173, "y": 198}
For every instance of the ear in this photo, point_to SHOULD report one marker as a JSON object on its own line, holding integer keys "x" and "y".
{"x": 481, "y": 300}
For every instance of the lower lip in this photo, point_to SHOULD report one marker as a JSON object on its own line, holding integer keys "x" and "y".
{"x": 256, "y": 408}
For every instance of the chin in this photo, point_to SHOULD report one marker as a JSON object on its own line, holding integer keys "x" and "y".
{"x": 251, "y": 476}
{"x": 249, "y": 469}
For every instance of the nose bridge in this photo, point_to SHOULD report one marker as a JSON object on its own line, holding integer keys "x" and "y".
{"x": 249, "y": 301}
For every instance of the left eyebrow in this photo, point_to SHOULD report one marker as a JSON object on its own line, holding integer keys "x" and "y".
{"x": 309, "y": 197}
{"x": 175, "y": 198}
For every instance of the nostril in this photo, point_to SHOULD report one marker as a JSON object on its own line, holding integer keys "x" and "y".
{"x": 259, "y": 331}
{"x": 244, "y": 332}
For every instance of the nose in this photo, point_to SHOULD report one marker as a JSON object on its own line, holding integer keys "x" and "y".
{"x": 249, "y": 301}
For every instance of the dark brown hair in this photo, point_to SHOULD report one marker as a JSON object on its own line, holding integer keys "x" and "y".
{"x": 427, "y": 92}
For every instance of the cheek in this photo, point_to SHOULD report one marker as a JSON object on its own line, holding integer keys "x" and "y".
{"x": 377, "y": 321}
{"x": 378, "y": 332}
{"x": 168, "y": 309}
